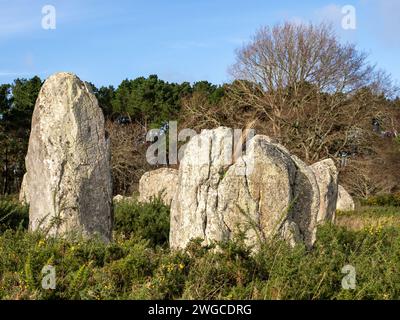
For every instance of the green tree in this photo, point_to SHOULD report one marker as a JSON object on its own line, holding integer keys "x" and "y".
{"x": 5, "y": 102}
{"x": 17, "y": 102}
{"x": 105, "y": 96}
{"x": 24, "y": 94}
{"x": 214, "y": 92}
{"x": 120, "y": 103}
{"x": 150, "y": 101}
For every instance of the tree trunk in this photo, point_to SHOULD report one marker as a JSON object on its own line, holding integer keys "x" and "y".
{"x": 5, "y": 173}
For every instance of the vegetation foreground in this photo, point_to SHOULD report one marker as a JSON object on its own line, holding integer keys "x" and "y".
{"x": 139, "y": 265}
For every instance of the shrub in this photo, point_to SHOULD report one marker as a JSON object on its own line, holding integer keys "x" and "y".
{"x": 137, "y": 265}
{"x": 13, "y": 215}
{"x": 223, "y": 273}
{"x": 382, "y": 200}
{"x": 146, "y": 220}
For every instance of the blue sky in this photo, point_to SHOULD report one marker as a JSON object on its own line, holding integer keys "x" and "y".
{"x": 180, "y": 40}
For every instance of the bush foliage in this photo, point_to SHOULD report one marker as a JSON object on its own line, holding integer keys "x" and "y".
{"x": 13, "y": 215}
{"x": 383, "y": 200}
{"x": 147, "y": 220}
{"x": 138, "y": 264}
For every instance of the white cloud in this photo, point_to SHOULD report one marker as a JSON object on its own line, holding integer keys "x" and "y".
{"x": 28, "y": 60}
{"x": 331, "y": 13}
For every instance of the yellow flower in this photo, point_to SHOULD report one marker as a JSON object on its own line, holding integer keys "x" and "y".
{"x": 386, "y": 296}
{"x": 181, "y": 266}
{"x": 41, "y": 243}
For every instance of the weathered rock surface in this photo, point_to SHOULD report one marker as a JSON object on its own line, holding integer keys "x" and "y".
{"x": 23, "y": 193}
{"x": 193, "y": 210}
{"x": 258, "y": 194}
{"x": 68, "y": 181}
{"x": 344, "y": 201}
{"x": 326, "y": 174}
{"x": 161, "y": 182}
{"x": 266, "y": 192}
{"x": 306, "y": 201}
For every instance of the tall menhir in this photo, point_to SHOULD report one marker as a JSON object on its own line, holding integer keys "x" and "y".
{"x": 68, "y": 182}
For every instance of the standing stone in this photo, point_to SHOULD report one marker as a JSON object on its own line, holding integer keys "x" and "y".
{"x": 23, "y": 193}
{"x": 161, "y": 183}
{"x": 307, "y": 201}
{"x": 279, "y": 193}
{"x": 256, "y": 194}
{"x": 304, "y": 206}
{"x": 68, "y": 181}
{"x": 193, "y": 209}
{"x": 327, "y": 177}
{"x": 265, "y": 193}
{"x": 344, "y": 201}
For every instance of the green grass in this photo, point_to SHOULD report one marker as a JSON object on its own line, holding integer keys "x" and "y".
{"x": 139, "y": 265}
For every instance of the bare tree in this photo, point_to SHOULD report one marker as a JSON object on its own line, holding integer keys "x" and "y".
{"x": 311, "y": 92}
{"x": 200, "y": 113}
{"x": 128, "y": 155}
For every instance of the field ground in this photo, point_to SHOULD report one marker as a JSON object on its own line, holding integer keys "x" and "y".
{"x": 139, "y": 265}
{"x": 369, "y": 217}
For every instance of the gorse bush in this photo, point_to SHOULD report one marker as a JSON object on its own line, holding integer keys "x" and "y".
{"x": 382, "y": 200}
{"x": 139, "y": 265}
{"x": 133, "y": 269}
{"x": 13, "y": 215}
{"x": 147, "y": 220}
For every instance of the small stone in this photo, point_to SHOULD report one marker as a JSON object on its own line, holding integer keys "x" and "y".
{"x": 161, "y": 183}
{"x": 326, "y": 174}
{"x": 344, "y": 201}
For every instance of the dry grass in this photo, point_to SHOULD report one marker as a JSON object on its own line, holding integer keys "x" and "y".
{"x": 369, "y": 217}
